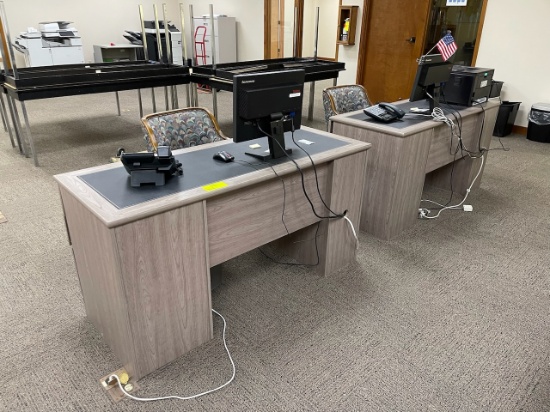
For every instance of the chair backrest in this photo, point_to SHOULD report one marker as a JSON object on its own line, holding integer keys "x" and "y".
{"x": 190, "y": 126}
{"x": 344, "y": 99}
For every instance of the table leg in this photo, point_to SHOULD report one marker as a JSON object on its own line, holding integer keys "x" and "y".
{"x": 311, "y": 100}
{"x": 29, "y": 134}
{"x": 140, "y": 104}
{"x": 335, "y": 81}
{"x": 215, "y": 101}
{"x": 6, "y": 119}
{"x": 166, "y": 102}
{"x": 187, "y": 89}
{"x": 154, "y": 99}
{"x": 17, "y": 126}
{"x": 117, "y": 103}
{"x": 175, "y": 102}
{"x": 2, "y": 113}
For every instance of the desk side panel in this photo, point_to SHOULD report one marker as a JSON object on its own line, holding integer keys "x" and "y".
{"x": 98, "y": 268}
{"x": 166, "y": 279}
{"x": 488, "y": 124}
{"x": 347, "y": 183}
{"x": 394, "y": 178}
{"x": 251, "y": 217}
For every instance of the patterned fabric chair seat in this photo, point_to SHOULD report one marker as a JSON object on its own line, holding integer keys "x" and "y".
{"x": 344, "y": 99}
{"x": 181, "y": 128}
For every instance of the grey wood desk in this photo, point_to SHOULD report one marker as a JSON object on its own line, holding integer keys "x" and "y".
{"x": 408, "y": 154}
{"x": 144, "y": 269}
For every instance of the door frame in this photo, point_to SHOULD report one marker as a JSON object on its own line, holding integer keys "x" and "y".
{"x": 362, "y": 56}
{"x": 299, "y": 4}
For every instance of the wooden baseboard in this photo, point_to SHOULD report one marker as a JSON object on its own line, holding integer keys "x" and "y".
{"x": 520, "y": 130}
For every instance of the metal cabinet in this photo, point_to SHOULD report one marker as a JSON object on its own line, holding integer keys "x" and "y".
{"x": 225, "y": 31}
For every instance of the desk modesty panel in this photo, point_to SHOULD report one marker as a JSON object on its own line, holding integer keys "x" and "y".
{"x": 144, "y": 269}
{"x": 407, "y": 154}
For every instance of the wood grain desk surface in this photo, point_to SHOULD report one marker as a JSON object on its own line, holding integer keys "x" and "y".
{"x": 112, "y": 216}
{"x": 360, "y": 120}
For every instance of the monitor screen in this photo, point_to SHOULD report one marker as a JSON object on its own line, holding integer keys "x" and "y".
{"x": 267, "y": 104}
{"x": 432, "y": 71}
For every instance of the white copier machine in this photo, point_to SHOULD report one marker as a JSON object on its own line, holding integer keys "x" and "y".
{"x": 56, "y": 43}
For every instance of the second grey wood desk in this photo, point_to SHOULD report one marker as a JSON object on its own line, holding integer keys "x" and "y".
{"x": 409, "y": 153}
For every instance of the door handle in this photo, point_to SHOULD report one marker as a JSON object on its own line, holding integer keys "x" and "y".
{"x": 411, "y": 40}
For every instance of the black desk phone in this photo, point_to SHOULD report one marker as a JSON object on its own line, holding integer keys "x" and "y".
{"x": 384, "y": 112}
{"x": 151, "y": 168}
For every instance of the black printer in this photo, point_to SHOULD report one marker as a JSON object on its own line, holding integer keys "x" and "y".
{"x": 468, "y": 86}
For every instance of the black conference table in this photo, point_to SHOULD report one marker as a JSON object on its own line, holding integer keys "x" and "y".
{"x": 35, "y": 83}
{"x": 221, "y": 75}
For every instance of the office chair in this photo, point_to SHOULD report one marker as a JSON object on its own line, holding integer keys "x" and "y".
{"x": 344, "y": 99}
{"x": 190, "y": 126}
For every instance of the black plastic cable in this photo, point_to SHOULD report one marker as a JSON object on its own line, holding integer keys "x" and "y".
{"x": 314, "y": 172}
{"x": 284, "y": 188}
{"x": 302, "y": 177}
{"x": 298, "y": 264}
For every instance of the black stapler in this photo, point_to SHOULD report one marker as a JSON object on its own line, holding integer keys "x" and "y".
{"x": 151, "y": 168}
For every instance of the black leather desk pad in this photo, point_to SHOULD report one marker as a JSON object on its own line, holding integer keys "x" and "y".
{"x": 199, "y": 169}
{"x": 410, "y": 119}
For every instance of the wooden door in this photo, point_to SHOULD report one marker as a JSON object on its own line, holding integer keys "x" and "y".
{"x": 274, "y": 23}
{"x": 390, "y": 45}
{"x": 274, "y": 28}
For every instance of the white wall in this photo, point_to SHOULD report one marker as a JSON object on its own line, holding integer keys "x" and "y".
{"x": 98, "y": 22}
{"x": 348, "y": 54}
{"x": 104, "y": 21}
{"x": 515, "y": 43}
{"x": 288, "y": 30}
{"x": 328, "y": 16}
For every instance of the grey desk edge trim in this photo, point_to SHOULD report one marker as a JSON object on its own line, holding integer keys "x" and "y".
{"x": 113, "y": 217}
{"x": 348, "y": 119}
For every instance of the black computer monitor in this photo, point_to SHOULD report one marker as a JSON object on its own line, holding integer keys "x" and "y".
{"x": 432, "y": 71}
{"x": 267, "y": 104}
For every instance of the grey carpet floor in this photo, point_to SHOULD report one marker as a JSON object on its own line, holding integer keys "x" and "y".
{"x": 453, "y": 315}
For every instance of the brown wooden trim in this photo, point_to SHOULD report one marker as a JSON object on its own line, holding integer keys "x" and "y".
{"x": 299, "y": 4}
{"x": 337, "y": 45}
{"x": 362, "y": 56}
{"x": 479, "y": 30}
{"x": 7, "y": 64}
{"x": 267, "y": 27}
{"x": 280, "y": 30}
{"x": 519, "y": 130}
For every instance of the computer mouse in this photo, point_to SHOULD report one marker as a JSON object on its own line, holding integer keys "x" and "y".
{"x": 224, "y": 156}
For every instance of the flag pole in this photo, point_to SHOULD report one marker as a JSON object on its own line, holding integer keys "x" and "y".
{"x": 421, "y": 60}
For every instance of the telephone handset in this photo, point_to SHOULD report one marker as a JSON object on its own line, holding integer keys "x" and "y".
{"x": 384, "y": 112}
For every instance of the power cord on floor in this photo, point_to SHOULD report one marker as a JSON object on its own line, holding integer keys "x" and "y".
{"x": 184, "y": 398}
{"x": 424, "y": 212}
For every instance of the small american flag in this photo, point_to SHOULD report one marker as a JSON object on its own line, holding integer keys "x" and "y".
{"x": 446, "y": 46}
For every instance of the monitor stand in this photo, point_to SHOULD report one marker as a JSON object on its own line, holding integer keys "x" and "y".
{"x": 276, "y": 142}
{"x": 434, "y": 92}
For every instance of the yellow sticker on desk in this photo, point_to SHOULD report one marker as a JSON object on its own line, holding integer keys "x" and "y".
{"x": 214, "y": 186}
